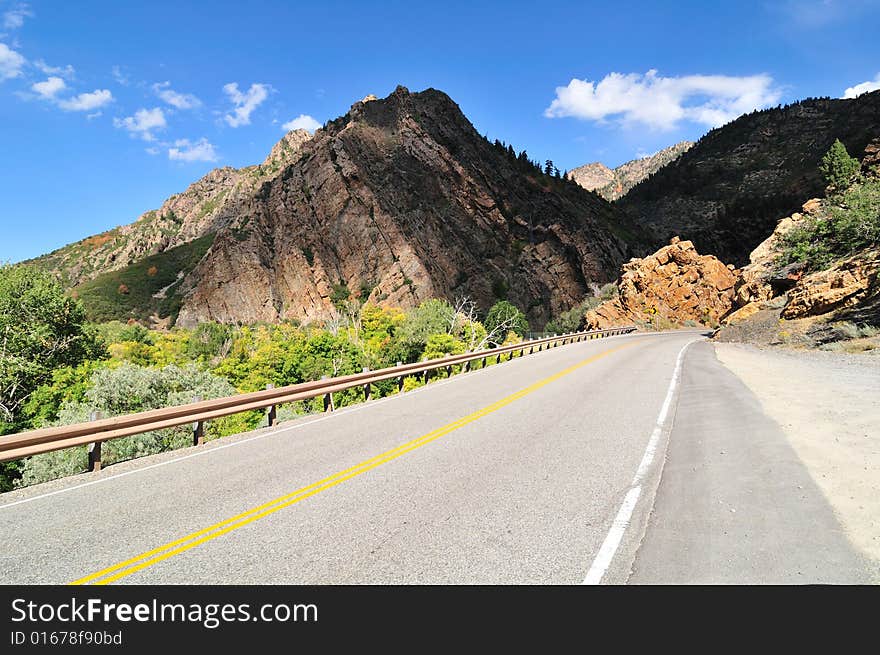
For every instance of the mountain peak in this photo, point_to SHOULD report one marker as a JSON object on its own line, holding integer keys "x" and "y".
{"x": 612, "y": 184}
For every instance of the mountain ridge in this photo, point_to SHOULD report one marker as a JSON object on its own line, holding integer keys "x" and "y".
{"x": 727, "y": 192}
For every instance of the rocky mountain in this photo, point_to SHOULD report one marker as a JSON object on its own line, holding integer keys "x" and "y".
{"x": 397, "y": 201}
{"x": 727, "y": 192}
{"x": 611, "y": 184}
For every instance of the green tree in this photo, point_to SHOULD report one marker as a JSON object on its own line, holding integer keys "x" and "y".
{"x": 431, "y": 317}
{"x": 840, "y": 170}
{"x": 208, "y": 340}
{"x": 505, "y": 317}
{"x": 41, "y": 329}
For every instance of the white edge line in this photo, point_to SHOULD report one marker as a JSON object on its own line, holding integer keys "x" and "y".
{"x": 341, "y": 412}
{"x": 620, "y": 523}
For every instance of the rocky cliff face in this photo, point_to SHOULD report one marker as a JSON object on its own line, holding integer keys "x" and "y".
{"x": 728, "y": 192}
{"x": 398, "y": 201}
{"x": 395, "y": 202}
{"x": 674, "y": 285}
{"x": 613, "y": 184}
{"x": 204, "y": 208}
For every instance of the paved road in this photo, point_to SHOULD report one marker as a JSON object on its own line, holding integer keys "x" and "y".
{"x": 519, "y": 473}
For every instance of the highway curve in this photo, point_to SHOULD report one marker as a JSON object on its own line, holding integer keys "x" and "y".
{"x": 544, "y": 469}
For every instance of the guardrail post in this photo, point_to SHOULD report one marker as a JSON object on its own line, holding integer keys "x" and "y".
{"x": 448, "y": 366}
{"x": 426, "y": 372}
{"x": 271, "y": 410}
{"x": 400, "y": 380}
{"x": 198, "y": 427}
{"x": 95, "y": 447}
{"x": 498, "y": 358}
{"x": 466, "y": 367}
{"x": 367, "y": 392}
{"x": 483, "y": 365}
{"x": 328, "y": 398}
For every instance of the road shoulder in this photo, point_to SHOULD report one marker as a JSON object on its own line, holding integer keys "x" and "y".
{"x": 735, "y": 503}
{"x": 826, "y": 404}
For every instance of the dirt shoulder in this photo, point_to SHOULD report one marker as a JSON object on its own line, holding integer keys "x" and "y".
{"x": 827, "y": 404}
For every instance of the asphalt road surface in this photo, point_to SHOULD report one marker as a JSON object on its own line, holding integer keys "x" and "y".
{"x": 545, "y": 469}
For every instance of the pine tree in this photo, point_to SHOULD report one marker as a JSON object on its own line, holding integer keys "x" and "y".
{"x": 840, "y": 170}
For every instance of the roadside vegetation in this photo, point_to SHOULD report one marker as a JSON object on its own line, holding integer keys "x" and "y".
{"x": 849, "y": 222}
{"x": 573, "y": 319}
{"x": 57, "y": 368}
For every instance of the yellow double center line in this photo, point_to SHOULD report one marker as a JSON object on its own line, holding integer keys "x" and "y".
{"x": 151, "y": 557}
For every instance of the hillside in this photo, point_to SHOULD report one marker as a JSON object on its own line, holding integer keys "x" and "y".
{"x": 727, "y": 193}
{"x": 612, "y": 184}
{"x": 397, "y": 201}
{"x": 203, "y": 208}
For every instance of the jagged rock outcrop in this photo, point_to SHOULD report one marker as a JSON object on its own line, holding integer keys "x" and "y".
{"x": 762, "y": 278}
{"x": 846, "y": 285}
{"x": 676, "y": 284}
{"x": 395, "y": 202}
{"x": 612, "y": 184}
{"x": 764, "y": 282}
{"x": 727, "y": 193}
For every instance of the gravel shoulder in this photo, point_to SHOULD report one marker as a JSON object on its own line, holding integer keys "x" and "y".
{"x": 827, "y": 405}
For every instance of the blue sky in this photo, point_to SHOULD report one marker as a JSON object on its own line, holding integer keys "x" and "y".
{"x": 107, "y": 108}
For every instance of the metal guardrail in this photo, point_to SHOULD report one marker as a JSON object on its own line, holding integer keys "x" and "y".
{"x": 95, "y": 432}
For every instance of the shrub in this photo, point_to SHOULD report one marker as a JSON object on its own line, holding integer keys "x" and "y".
{"x": 850, "y": 224}
{"x": 573, "y": 319}
{"x": 124, "y": 390}
{"x": 608, "y": 291}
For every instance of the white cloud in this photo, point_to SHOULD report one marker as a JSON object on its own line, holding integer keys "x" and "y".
{"x": 864, "y": 87}
{"x": 662, "y": 102}
{"x": 11, "y": 63}
{"x": 119, "y": 76}
{"x": 87, "y": 101}
{"x": 50, "y": 88}
{"x": 143, "y": 123}
{"x": 63, "y": 71}
{"x": 302, "y": 122}
{"x": 95, "y": 115}
{"x": 185, "y": 150}
{"x": 14, "y": 18}
{"x": 152, "y": 150}
{"x": 245, "y": 103}
{"x": 175, "y": 99}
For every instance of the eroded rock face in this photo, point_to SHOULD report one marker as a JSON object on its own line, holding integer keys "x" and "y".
{"x": 396, "y": 202}
{"x": 675, "y": 283}
{"x": 845, "y": 285}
